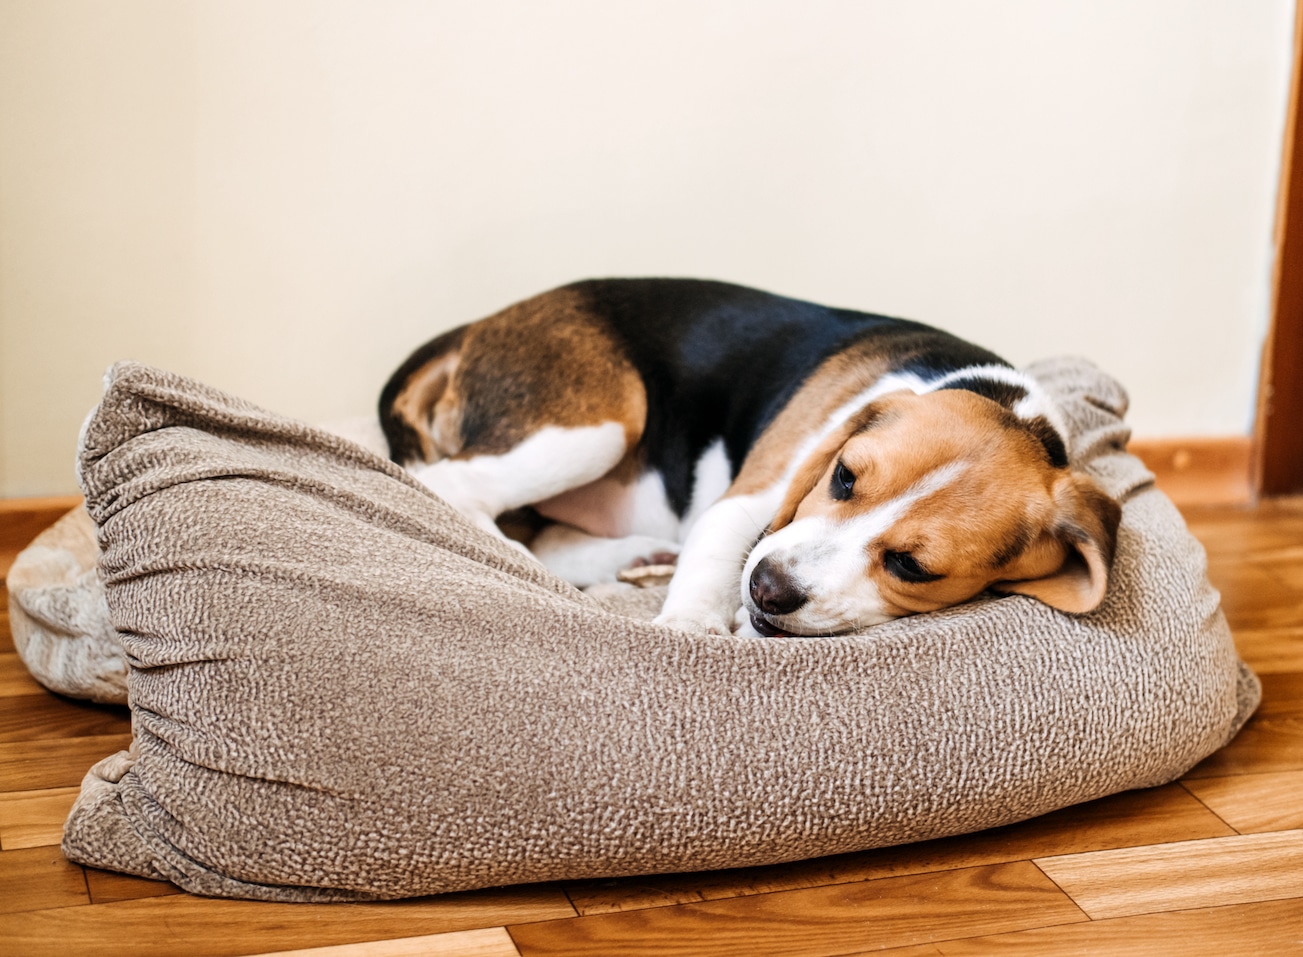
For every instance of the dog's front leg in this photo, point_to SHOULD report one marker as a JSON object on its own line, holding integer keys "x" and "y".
{"x": 705, "y": 592}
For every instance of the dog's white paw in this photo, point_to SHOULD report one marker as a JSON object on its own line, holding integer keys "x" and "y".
{"x": 697, "y": 624}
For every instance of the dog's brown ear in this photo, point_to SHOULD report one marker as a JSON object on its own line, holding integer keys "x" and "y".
{"x": 1086, "y": 524}
{"x": 812, "y": 470}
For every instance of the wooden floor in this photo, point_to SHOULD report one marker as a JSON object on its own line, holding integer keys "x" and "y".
{"x": 1212, "y": 864}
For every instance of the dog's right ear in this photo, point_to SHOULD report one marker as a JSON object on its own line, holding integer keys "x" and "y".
{"x": 815, "y": 466}
{"x": 1086, "y": 525}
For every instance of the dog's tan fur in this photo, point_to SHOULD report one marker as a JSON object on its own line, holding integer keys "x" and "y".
{"x": 548, "y": 348}
{"x": 1015, "y": 519}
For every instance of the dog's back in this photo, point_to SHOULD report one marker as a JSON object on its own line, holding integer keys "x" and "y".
{"x": 716, "y": 362}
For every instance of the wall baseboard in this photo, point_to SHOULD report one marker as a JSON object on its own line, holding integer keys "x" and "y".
{"x": 19, "y": 509}
{"x": 25, "y": 518}
{"x": 1214, "y": 470}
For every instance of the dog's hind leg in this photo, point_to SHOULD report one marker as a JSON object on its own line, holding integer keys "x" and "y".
{"x": 517, "y": 408}
{"x": 583, "y": 559}
{"x": 552, "y": 460}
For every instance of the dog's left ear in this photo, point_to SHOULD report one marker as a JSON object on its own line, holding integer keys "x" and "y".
{"x": 1086, "y": 524}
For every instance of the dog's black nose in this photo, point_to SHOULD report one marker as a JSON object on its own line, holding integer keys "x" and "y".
{"x": 774, "y": 591}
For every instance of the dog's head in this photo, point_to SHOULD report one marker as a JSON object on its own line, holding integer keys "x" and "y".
{"x": 918, "y": 502}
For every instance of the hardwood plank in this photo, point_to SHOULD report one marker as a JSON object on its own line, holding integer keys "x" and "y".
{"x": 15, "y": 679}
{"x": 1157, "y": 815}
{"x": 34, "y": 765}
{"x": 1271, "y": 741}
{"x": 206, "y": 927}
{"x": 1263, "y": 531}
{"x": 47, "y": 716}
{"x": 1291, "y": 573}
{"x": 108, "y": 886}
{"x": 34, "y": 818}
{"x": 1255, "y": 596}
{"x": 1270, "y": 651}
{"x": 1146, "y": 880}
{"x": 38, "y": 877}
{"x": 818, "y": 920}
{"x": 489, "y": 942}
{"x": 1254, "y": 803}
{"x": 1260, "y": 929}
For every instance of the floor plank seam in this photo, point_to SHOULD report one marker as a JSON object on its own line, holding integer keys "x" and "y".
{"x": 1085, "y": 916}
{"x": 85, "y": 878}
{"x": 1210, "y": 810}
{"x": 569, "y": 900}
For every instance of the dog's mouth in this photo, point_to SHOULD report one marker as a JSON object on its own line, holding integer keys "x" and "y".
{"x": 768, "y": 629}
{"x": 761, "y": 624}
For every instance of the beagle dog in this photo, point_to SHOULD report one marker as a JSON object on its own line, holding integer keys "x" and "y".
{"x": 816, "y": 470}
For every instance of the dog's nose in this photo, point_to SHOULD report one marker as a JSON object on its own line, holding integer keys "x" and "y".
{"x": 774, "y": 591}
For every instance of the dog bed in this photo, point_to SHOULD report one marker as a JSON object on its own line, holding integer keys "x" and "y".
{"x": 341, "y": 690}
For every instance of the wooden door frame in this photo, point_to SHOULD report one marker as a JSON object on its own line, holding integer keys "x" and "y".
{"x": 1278, "y": 430}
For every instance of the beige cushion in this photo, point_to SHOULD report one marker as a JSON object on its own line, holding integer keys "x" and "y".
{"x": 58, "y": 615}
{"x": 341, "y": 689}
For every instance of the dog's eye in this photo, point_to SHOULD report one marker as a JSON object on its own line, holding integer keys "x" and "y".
{"x": 905, "y": 566}
{"x": 843, "y": 482}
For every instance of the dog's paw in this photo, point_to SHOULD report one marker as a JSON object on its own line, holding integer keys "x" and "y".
{"x": 648, "y": 571}
{"x": 698, "y": 624}
{"x": 655, "y": 558}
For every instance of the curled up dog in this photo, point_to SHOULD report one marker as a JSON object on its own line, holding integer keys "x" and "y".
{"x": 816, "y": 470}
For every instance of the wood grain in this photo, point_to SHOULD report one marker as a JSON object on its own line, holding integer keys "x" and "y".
{"x": 1271, "y": 741}
{"x": 489, "y": 942}
{"x": 1271, "y": 651}
{"x": 1254, "y": 803}
{"x": 203, "y": 927}
{"x": 1241, "y": 930}
{"x": 818, "y": 920}
{"x": 34, "y": 818}
{"x": 42, "y": 716}
{"x": 1254, "y": 596}
{"x": 1145, "y": 880}
{"x": 1136, "y": 817}
{"x": 54, "y": 763}
{"x": 15, "y": 679}
{"x": 108, "y": 886}
{"x": 38, "y": 877}
{"x": 1267, "y": 532}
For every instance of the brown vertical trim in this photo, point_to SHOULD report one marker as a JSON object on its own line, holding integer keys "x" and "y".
{"x": 1279, "y": 432}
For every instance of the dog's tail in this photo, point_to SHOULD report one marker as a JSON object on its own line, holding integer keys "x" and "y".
{"x": 408, "y": 399}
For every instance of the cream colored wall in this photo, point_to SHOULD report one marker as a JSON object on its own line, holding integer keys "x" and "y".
{"x": 283, "y": 197}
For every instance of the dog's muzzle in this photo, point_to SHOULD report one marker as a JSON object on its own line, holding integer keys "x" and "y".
{"x": 774, "y": 592}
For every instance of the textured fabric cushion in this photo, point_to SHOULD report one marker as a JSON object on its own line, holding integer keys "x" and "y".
{"x": 342, "y": 690}
{"x": 58, "y": 615}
